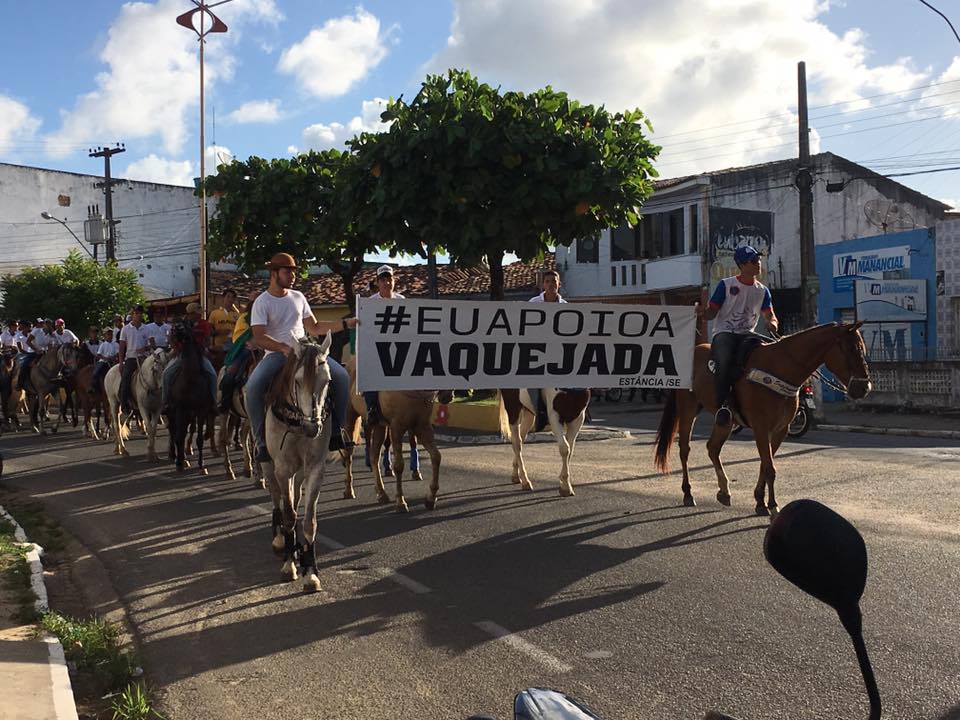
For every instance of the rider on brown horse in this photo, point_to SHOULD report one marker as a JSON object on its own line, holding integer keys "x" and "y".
{"x": 736, "y": 304}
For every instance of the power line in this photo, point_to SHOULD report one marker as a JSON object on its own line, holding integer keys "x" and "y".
{"x": 944, "y": 17}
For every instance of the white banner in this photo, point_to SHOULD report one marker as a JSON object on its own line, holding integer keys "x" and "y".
{"x": 458, "y": 345}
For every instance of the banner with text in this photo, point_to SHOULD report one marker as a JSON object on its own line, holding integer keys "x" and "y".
{"x": 459, "y": 345}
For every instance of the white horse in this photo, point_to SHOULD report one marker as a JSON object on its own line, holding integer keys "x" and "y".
{"x": 566, "y": 410}
{"x": 145, "y": 391}
{"x": 297, "y": 433}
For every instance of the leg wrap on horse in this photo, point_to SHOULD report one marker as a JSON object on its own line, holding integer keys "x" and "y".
{"x": 308, "y": 557}
{"x": 276, "y": 524}
{"x": 290, "y": 547}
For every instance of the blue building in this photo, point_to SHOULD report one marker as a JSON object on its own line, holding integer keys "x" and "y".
{"x": 889, "y": 282}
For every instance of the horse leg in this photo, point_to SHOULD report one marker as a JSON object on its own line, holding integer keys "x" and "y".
{"x": 353, "y": 430}
{"x": 687, "y": 411}
{"x": 289, "y": 529}
{"x": 714, "y": 445}
{"x": 377, "y": 436}
{"x": 415, "y": 460}
{"x": 397, "y": 434}
{"x": 201, "y": 418}
{"x": 308, "y": 553}
{"x": 572, "y": 430}
{"x": 277, "y": 541}
{"x": 775, "y": 442}
{"x": 428, "y": 443}
{"x": 768, "y": 472}
{"x": 226, "y": 429}
{"x": 526, "y": 421}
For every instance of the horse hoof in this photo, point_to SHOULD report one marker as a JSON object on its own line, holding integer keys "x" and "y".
{"x": 125, "y": 452}
{"x": 402, "y": 506}
{"x": 53, "y": 430}
{"x": 566, "y": 491}
{"x": 277, "y": 545}
{"x": 526, "y": 485}
{"x": 416, "y": 476}
{"x": 204, "y": 471}
{"x": 723, "y": 498}
{"x": 515, "y": 480}
{"x": 289, "y": 571}
{"x": 231, "y": 475}
{"x": 430, "y": 504}
{"x": 383, "y": 499}
{"x": 349, "y": 495}
{"x": 261, "y": 483}
{"x": 761, "y": 510}
{"x": 688, "y": 501}
{"x": 774, "y": 511}
{"x": 186, "y": 463}
{"x": 311, "y": 583}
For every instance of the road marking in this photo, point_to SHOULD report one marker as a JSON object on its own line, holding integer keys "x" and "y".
{"x": 401, "y": 580}
{"x": 518, "y": 643}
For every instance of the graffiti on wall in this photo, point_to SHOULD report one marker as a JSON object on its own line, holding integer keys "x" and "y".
{"x": 730, "y": 229}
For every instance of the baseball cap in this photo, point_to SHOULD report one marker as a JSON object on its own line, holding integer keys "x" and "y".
{"x": 193, "y": 307}
{"x": 59, "y": 322}
{"x": 282, "y": 260}
{"x": 745, "y": 254}
{"x": 384, "y": 270}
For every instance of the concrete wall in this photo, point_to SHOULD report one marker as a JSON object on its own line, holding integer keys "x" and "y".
{"x": 948, "y": 303}
{"x": 158, "y": 234}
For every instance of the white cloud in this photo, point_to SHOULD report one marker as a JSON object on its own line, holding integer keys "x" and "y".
{"x": 150, "y": 86}
{"x": 16, "y": 121}
{"x": 256, "y": 111}
{"x": 333, "y": 58}
{"x": 688, "y": 65}
{"x": 153, "y": 168}
{"x": 322, "y": 137}
{"x": 160, "y": 170}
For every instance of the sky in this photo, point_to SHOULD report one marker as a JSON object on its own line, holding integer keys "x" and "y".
{"x": 717, "y": 78}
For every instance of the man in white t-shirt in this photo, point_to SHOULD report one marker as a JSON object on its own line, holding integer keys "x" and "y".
{"x": 736, "y": 304}
{"x": 63, "y": 336}
{"x": 106, "y": 354}
{"x": 278, "y": 319}
{"x": 8, "y": 338}
{"x": 550, "y": 294}
{"x": 385, "y": 284}
{"x": 133, "y": 346}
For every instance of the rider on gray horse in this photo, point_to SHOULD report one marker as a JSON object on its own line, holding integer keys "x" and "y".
{"x": 279, "y": 318}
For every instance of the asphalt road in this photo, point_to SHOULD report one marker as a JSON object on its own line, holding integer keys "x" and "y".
{"x": 620, "y": 596}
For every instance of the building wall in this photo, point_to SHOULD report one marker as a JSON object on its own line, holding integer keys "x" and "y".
{"x": 158, "y": 234}
{"x": 948, "y": 278}
{"x": 767, "y": 188}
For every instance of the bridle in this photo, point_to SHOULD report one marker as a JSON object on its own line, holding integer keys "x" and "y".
{"x": 158, "y": 371}
{"x": 292, "y": 415}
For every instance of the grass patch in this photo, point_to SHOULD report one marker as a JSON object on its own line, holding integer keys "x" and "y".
{"x": 94, "y": 647}
{"x": 35, "y": 523}
{"x": 478, "y": 397}
{"x": 134, "y": 704}
{"x": 15, "y": 575}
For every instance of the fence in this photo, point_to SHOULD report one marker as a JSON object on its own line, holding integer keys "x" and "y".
{"x": 930, "y": 385}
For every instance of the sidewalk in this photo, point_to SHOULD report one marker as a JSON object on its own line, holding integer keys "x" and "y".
{"x": 842, "y": 417}
{"x": 34, "y": 682}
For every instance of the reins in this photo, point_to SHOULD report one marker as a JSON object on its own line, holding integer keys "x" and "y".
{"x": 292, "y": 415}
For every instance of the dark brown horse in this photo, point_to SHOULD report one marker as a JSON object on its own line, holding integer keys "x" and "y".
{"x": 791, "y": 360}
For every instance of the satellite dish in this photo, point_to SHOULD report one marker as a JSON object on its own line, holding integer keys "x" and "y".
{"x": 888, "y": 215}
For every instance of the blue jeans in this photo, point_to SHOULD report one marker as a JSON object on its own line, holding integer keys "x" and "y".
{"x": 171, "y": 370}
{"x": 264, "y": 373}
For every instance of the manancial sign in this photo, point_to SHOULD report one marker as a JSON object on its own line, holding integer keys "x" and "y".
{"x": 458, "y": 345}
{"x": 891, "y": 300}
{"x": 879, "y": 264}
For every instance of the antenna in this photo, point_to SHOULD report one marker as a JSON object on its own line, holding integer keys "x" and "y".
{"x": 888, "y": 215}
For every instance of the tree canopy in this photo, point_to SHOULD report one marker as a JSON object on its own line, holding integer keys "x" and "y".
{"x": 79, "y": 290}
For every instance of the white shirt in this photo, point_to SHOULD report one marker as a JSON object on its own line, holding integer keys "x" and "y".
{"x": 41, "y": 340}
{"x": 282, "y": 316}
{"x": 162, "y": 336}
{"x": 66, "y": 337}
{"x": 740, "y": 305}
{"x": 8, "y": 339}
{"x": 150, "y": 331}
{"x": 93, "y": 345}
{"x": 108, "y": 349}
{"x": 539, "y": 298}
{"x": 135, "y": 338}
{"x": 395, "y": 296}
{"x": 20, "y": 340}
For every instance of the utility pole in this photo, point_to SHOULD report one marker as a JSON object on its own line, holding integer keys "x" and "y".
{"x": 107, "y": 185}
{"x": 809, "y": 282}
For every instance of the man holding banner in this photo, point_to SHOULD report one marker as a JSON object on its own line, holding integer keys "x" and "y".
{"x": 385, "y": 292}
{"x": 550, "y": 294}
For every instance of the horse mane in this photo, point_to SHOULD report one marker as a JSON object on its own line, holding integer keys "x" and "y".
{"x": 281, "y": 383}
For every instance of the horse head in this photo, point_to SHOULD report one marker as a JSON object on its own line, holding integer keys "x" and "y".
{"x": 68, "y": 356}
{"x": 156, "y": 367}
{"x": 847, "y": 360}
{"x": 308, "y": 382}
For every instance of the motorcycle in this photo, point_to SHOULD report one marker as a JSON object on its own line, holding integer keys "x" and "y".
{"x": 810, "y": 545}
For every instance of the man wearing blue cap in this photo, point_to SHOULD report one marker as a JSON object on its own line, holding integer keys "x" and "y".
{"x": 736, "y": 305}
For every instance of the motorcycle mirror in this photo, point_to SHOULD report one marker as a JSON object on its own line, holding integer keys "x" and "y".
{"x": 820, "y": 552}
{"x": 544, "y": 704}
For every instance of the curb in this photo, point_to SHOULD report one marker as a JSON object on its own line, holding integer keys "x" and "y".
{"x": 64, "y": 706}
{"x": 899, "y": 432}
{"x": 596, "y": 433}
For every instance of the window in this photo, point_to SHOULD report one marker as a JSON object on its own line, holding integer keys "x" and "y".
{"x": 661, "y": 234}
{"x": 643, "y": 274}
{"x": 588, "y": 250}
{"x": 633, "y": 274}
{"x": 623, "y": 274}
{"x": 649, "y": 231}
{"x": 623, "y": 243}
{"x": 673, "y": 232}
{"x": 694, "y": 229}
{"x": 613, "y": 276}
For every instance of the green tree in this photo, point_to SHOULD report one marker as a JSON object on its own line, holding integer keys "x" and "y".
{"x": 478, "y": 173}
{"x": 304, "y": 205}
{"x": 79, "y": 290}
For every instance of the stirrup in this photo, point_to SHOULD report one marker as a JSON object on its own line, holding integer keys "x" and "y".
{"x": 723, "y": 417}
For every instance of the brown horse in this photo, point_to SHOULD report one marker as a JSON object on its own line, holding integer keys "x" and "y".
{"x": 791, "y": 360}
{"x": 405, "y": 411}
{"x": 566, "y": 409}
{"x": 90, "y": 403}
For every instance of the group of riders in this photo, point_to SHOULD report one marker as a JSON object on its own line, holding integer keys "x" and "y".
{"x": 276, "y": 319}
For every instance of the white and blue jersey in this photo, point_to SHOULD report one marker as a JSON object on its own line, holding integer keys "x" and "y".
{"x": 739, "y": 305}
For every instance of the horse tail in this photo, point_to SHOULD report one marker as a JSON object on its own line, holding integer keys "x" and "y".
{"x": 502, "y": 418}
{"x": 666, "y": 432}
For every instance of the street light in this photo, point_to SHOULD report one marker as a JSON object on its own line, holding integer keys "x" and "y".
{"x": 217, "y": 26}
{"x": 47, "y": 216}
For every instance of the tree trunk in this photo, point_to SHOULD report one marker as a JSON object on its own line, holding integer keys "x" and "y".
{"x": 495, "y": 260}
{"x": 432, "y": 273}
